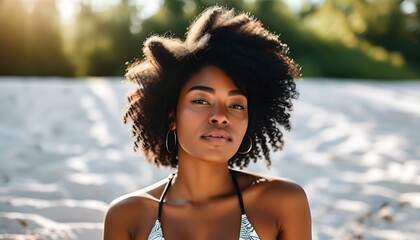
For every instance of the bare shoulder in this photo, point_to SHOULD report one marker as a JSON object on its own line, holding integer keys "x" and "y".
{"x": 137, "y": 198}
{"x": 289, "y": 196}
{"x": 135, "y": 201}
{"x": 126, "y": 213}
{"x": 272, "y": 185}
{"x": 279, "y": 194}
{"x": 285, "y": 199}
{"x": 284, "y": 188}
{"x": 145, "y": 194}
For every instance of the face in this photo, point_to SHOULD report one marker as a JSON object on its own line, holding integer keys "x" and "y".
{"x": 211, "y": 117}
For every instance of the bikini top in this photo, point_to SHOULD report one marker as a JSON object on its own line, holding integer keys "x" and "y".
{"x": 247, "y": 231}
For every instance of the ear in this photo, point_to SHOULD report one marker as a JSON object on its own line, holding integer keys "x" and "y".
{"x": 172, "y": 120}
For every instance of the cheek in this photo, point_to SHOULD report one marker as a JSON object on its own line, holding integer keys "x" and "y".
{"x": 241, "y": 122}
{"x": 186, "y": 120}
{"x": 188, "y": 125}
{"x": 244, "y": 128}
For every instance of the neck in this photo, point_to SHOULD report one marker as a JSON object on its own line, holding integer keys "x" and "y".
{"x": 199, "y": 181}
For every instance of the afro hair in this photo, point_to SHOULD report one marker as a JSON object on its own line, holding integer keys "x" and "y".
{"x": 254, "y": 58}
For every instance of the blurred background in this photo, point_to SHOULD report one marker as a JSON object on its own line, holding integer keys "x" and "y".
{"x": 364, "y": 39}
{"x": 65, "y": 153}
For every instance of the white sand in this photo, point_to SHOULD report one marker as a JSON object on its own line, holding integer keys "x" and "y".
{"x": 65, "y": 154}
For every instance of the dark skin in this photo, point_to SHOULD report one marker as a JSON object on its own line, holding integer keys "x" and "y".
{"x": 211, "y": 121}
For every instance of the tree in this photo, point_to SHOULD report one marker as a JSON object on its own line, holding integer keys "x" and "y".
{"x": 102, "y": 41}
{"x": 31, "y": 42}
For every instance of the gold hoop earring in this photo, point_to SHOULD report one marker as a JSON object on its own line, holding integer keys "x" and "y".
{"x": 249, "y": 148}
{"x": 167, "y": 142}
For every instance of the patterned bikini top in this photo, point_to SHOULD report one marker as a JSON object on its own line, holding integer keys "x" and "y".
{"x": 247, "y": 231}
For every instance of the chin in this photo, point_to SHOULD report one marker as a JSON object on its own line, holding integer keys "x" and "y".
{"x": 218, "y": 156}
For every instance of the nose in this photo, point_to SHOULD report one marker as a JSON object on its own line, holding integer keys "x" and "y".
{"x": 219, "y": 117}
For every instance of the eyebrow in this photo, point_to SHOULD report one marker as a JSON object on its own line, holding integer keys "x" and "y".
{"x": 212, "y": 91}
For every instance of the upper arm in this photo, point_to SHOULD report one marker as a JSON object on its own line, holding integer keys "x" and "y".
{"x": 294, "y": 215}
{"x": 115, "y": 225}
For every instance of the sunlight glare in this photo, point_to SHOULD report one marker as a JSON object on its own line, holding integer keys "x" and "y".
{"x": 101, "y": 5}
{"x": 408, "y": 7}
{"x": 148, "y": 8}
{"x": 296, "y": 5}
{"x": 67, "y": 9}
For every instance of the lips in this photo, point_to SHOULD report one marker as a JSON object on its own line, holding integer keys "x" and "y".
{"x": 217, "y": 136}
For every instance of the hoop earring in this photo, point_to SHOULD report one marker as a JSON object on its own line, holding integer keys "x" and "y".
{"x": 167, "y": 142}
{"x": 249, "y": 148}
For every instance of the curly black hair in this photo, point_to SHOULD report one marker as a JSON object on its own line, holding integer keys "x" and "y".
{"x": 254, "y": 58}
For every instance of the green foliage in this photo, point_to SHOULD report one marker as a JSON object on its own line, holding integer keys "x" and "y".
{"x": 102, "y": 41}
{"x": 174, "y": 16}
{"x": 30, "y": 42}
{"x": 344, "y": 45}
{"x": 337, "y": 38}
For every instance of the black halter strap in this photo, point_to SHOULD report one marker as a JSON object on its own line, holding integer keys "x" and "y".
{"x": 164, "y": 194}
{"x": 235, "y": 184}
{"x": 238, "y": 190}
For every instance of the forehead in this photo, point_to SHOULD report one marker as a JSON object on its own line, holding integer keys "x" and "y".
{"x": 211, "y": 76}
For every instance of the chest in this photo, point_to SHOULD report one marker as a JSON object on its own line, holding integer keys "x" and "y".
{"x": 219, "y": 220}
{"x": 216, "y": 222}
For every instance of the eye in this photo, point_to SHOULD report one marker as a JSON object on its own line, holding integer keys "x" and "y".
{"x": 200, "y": 101}
{"x": 237, "y": 107}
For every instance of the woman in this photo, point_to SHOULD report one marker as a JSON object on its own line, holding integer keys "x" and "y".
{"x": 204, "y": 105}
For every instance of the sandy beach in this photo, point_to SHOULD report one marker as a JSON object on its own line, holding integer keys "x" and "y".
{"x": 65, "y": 155}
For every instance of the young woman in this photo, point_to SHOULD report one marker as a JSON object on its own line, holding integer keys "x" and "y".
{"x": 205, "y": 105}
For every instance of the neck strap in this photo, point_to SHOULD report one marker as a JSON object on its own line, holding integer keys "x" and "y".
{"x": 164, "y": 194}
{"x": 238, "y": 190}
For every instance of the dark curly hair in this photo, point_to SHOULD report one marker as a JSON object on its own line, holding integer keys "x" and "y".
{"x": 254, "y": 58}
